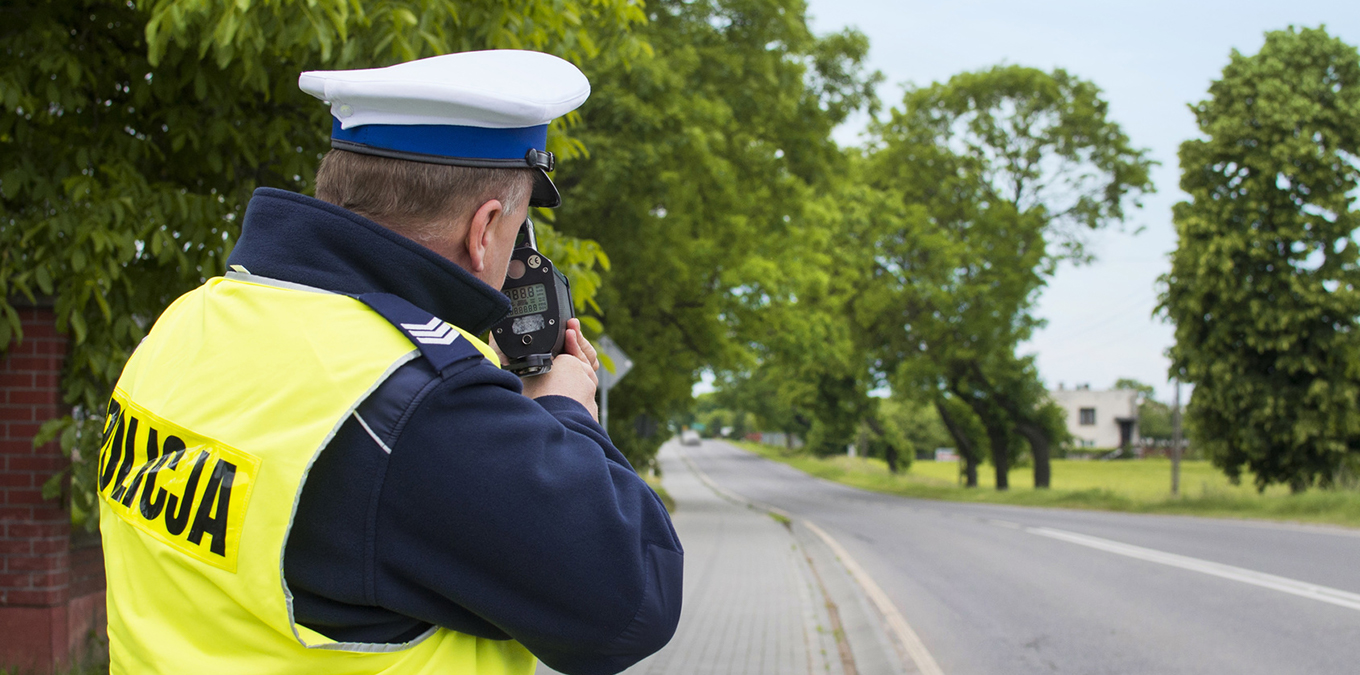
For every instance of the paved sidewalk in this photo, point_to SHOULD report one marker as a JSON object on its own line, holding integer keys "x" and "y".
{"x": 752, "y": 605}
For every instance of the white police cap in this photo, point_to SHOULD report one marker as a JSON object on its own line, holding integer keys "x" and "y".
{"x": 487, "y": 109}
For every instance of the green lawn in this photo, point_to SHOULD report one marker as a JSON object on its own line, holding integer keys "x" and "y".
{"x": 1139, "y": 486}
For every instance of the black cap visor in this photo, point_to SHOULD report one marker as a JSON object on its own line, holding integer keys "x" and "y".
{"x": 545, "y": 194}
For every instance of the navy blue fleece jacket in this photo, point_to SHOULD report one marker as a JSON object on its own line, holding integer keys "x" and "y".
{"x": 458, "y": 502}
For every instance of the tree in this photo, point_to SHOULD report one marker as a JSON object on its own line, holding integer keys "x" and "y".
{"x": 132, "y": 135}
{"x": 703, "y": 159}
{"x": 907, "y": 427}
{"x": 1264, "y": 288}
{"x": 999, "y": 174}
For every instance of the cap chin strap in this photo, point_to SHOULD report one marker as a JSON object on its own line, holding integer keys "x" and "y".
{"x": 533, "y": 159}
{"x": 540, "y": 160}
{"x": 545, "y": 194}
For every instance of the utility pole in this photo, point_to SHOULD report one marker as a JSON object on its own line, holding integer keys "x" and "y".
{"x": 604, "y": 411}
{"x": 1176, "y": 442}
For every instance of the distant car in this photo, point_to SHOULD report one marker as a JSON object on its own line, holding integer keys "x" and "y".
{"x": 689, "y": 437}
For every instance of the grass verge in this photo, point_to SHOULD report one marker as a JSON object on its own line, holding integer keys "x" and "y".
{"x": 1135, "y": 486}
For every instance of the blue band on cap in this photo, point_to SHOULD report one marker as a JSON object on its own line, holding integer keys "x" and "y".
{"x": 446, "y": 140}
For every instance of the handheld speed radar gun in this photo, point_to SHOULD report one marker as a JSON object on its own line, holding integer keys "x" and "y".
{"x": 540, "y": 304}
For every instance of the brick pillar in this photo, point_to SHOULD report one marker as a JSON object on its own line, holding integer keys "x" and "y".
{"x": 35, "y": 548}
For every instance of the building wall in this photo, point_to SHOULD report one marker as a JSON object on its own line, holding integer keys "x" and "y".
{"x": 51, "y": 597}
{"x": 1108, "y": 406}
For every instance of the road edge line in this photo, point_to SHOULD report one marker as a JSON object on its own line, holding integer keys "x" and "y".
{"x": 910, "y": 641}
{"x": 787, "y": 521}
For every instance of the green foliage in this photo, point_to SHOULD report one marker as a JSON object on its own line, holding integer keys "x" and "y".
{"x": 132, "y": 135}
{"x": 995, "y": 176}
{"x": 919, "y": 263}
{"x": 910, "y": 426}
{"x": 712, "y": 415}
{"x": 1263, "y": 285}
{"x": 703, "y": 158}
{"x": 80, "y": 440}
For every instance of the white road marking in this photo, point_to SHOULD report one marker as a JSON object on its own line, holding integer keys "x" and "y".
{"x": 910, "y": 641}
{"x": 1303, "y": 589}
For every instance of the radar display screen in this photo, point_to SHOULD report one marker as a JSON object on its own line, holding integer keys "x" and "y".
{"x": 527, "y": 300}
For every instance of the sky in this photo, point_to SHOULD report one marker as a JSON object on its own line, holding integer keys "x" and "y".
{"x": 1152, "y": 58}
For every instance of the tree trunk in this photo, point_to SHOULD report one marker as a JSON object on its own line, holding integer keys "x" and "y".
{"x": 996, "y": 434}
{"x": 965, "y": 444}
{"x": 1025, "y": 426}
{"x": 1038, "y": 446}
{"x": 996, "y": 437}
{"x": 890, "y": 453}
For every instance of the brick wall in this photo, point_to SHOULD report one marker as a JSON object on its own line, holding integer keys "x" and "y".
{"x": 38, "y": 630}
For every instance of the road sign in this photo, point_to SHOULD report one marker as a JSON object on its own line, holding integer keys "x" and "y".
{"x": 622, "y": 364}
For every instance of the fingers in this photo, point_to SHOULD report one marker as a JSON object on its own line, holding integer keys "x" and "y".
{"x": 571, "y": 362}
{"x": 590, "y": 372}
{"x": 577, "y": 345}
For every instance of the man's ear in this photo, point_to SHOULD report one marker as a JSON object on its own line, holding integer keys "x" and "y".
{"x": 480, "y": 232}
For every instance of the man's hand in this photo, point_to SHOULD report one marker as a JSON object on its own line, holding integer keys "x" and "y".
{"x": 572, "y": 374}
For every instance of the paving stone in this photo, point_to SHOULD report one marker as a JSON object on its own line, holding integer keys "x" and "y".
{"x": 752, "y": 605}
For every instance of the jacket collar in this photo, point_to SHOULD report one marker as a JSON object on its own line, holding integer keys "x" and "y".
{"x": 292, "y": 237}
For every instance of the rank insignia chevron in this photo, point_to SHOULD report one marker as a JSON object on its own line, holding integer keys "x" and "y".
{"x": 436, "y": 332}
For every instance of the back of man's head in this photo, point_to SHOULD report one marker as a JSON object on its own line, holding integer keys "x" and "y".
{"x": 418, "y": 200}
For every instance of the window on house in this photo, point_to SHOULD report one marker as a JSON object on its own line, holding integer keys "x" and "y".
{"x": 1088, "y": 417}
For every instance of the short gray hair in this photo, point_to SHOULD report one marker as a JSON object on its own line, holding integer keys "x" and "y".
{"x": 415, "y": 198}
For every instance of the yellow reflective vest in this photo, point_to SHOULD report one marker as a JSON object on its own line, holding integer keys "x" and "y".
{"x": 212, "y": 428}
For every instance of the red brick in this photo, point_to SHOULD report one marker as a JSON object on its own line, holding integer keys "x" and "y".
{"x": 36, "y": 397}
{"x": 42, "y": 327}
{"x": 50, "y": 347}
{"x": 44, "y": 563}
{"x": 51, "y": 580}
{"x": 16, "y": 479}
{"x": 44, "y": 464}
{"x": 23, "y": 497}
{"x": 20, "y": 513}
{"x": 51, "y": 546}
{"x": 33, "y": 363}
{"x": 24, "y": 347}
{"x": 15, "y": 446}
{"x": 48, "y": 513}
{"x": 23, "y": 430}
{"x": 10, "y": 380}
{"x": 15, "y": 547}
{"x": 38, "y": 530}
{"x": 16, "y": 413}
{"x": 46, "y": 380}
{"x": 43, "y": 598}
{"x": 10, "y": 580}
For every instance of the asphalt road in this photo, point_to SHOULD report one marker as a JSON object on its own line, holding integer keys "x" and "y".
{"x": 994, "y": 589}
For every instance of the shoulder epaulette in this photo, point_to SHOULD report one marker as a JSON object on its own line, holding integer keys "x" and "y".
{"x": 440, "y": 342}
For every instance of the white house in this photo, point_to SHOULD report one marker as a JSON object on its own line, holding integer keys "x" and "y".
{"x": 1100, "y": 419}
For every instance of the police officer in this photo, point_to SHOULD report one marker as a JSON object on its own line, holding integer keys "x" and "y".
{"x": 313, "y": 465}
